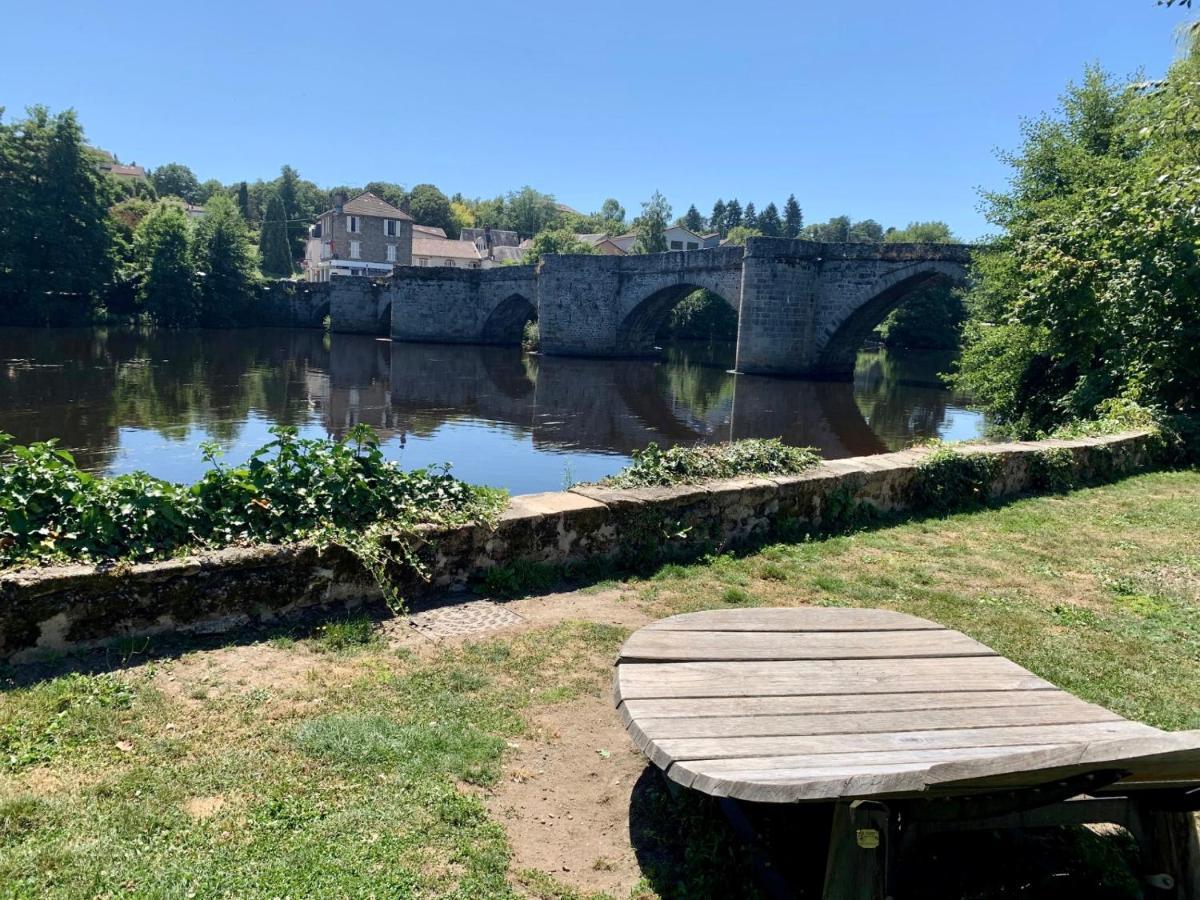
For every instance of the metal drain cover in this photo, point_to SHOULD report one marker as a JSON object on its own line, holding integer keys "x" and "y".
{"x": 463, "y": 619}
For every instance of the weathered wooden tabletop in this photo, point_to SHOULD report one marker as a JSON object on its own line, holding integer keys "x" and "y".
{"x": 785, "y": 705}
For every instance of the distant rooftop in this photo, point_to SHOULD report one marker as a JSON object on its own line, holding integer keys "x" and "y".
{"x": 427, "y": 246}
{"x": 430, "y": 231}
{"x": 367, "y": 204}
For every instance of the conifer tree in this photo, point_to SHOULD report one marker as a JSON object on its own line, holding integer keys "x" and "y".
{"x": 273, "y": 243}
{"x": 226, "y": 259}
{"x": 733, "y": 215}
{"x": 717, "y": 220}
{"x": 166, "y": 265}
{"x": 768, "y": 222}
{"x": 793, "y": 218}
{"x": 750, "y": 217}
{"x": 693, "y": 221}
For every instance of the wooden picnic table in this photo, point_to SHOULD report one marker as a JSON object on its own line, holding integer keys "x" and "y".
{"x": 904, "y": 725}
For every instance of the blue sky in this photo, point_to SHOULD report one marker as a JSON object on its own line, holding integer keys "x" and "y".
{"x": 888, "y": 110}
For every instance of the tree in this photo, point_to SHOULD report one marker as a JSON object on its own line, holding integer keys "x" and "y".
{"x": 208, "y": 190}
{"x": 750, "y": 216}
{"x": 555, "y": 241}
{"x": 530, "y": 212}
{"x": 176, "y": 180}
{"x": 740, "y": 233}
{"x": 651, "y": 225}
{"x": 920, "y": 233}
{"x": 166, "y": 266}
{"x": 273, "y": 240}
{"x": 769, "y": 223}
{"x": 429, "y": 206}
{"x": 793, "y": 218}
{"x": 868, "y": 231}
{"x": 389, "y": 192}
{"x": 1089, "y": 295}
{"x": 226, "y": 259}
{"x": 55, "y": 233}
{"x": 243, "y": 201}
{"x": 717, "y": 219}
{"x": 733, "y": 216}
{"x": 613, "y": 214}
{"x": 693, "y": 221}
{"x": 464, "y": 216}
{"x": 835, "y": 231}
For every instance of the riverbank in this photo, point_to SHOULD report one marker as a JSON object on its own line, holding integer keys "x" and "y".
{"x": 447, "y": 542}
{"x": 362, "y": 757}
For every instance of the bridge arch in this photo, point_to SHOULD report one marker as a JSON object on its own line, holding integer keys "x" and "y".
{"x": 506, "y": 322}
{"x": 841, "y": 335}
{"x": 638, "y": 328}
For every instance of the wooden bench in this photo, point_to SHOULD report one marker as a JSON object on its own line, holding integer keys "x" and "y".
{"x": 906, "y": 727}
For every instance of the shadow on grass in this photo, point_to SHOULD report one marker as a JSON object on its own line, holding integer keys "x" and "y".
{"x": 686, "y": 847}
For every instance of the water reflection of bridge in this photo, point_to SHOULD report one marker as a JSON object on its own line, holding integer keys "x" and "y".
{"x": 589, "y": 405}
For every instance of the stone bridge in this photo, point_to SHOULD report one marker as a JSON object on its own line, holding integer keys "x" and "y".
{"x": 804, "y": 308}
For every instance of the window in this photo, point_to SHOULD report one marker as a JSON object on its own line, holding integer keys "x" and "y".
{"x": 423, "y": 261}
{"x": 676, "y": 245}
{"x": 391, "y": 253}
{"x": 391, "y": 227}
{"x": 353, "y": 224}
{"x": 356, "y": 249}
{"x": 692, "y": 245}
{"x": 450, "y": 263}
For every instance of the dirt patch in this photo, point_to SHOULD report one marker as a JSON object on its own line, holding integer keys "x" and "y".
{"x": 564, "y": 798}
{"x": 204, "y": 807}
{"x": 239, "y": 670}
{"x": 609, "y": 607}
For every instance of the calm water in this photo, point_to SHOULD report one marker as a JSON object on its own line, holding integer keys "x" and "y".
{"x": 123, "y": 400}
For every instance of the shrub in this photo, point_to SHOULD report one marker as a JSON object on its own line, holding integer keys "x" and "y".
{"x": 705, "y": 462}
{"x": 947, "y": 480}
{"x": 290, "y": 489}
{"x": 1053, "y": 469}
{"x": 530, "y": 336}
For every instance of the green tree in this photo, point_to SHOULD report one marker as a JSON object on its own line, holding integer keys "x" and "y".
{"x": 868, "y": 231}
{"x": 273, "y": 240}
{"x": 769, "y": 223}
{"x": 717, "y": 219}
{"x": 750, "y": 217}
{"x": 733, "y": 216}
{"x": 920, "y": 233}
{"x": 553, "y": 241}
{"x": 208, "y": 190}
{"x": 163, "y": 253}
{"x": 227, "y": 262}
{"x": 613, "y": 214}
{"x": 651, "y": 225}
{"x": 389, "y": 192}
{"x": 793, "y": 218}
{"x": 429, "y": 206}
{"x": 1090, "y": 293}
{"x": 693, "y": 221}
{"x": 176, "y": 180}
{"x": 55, "y": 233}
{"x": 243, "y": 201}
{"x": 738, "y": 234}
{"x": 530, "y": 212}
{"x": 835, "y": 231}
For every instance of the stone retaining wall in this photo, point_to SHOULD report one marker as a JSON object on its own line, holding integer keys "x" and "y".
{"x": 48, "y": 610}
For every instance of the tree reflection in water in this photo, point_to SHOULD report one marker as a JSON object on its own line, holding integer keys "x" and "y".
{"x": 122, "y": 399}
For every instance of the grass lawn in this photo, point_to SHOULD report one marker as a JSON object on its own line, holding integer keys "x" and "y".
{"x": 362, "y": 760}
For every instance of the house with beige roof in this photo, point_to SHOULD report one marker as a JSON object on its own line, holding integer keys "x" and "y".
{"x": 428, "y": 251}
{"x": 364, "y": 236}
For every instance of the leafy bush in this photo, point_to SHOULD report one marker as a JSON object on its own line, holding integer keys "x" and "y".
{"x": 290, "y": 489}
{"x": 947, "y": 480}
{"x": 531, "y": 337}
{"x": 1053, "y": 469}
{"x": 705, "y": 462}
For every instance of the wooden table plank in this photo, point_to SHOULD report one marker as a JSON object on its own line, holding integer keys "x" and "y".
{"x": 664, "y": 752}
{"x": 691, "y": 707}
{"x": 763, "y": 679}
{"x": 801, "y": 618}
{"x": 682, "y": 646}
{"x": 1067, "y": 711}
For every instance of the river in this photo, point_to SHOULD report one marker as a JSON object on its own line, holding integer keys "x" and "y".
{"x": 121, "y": 399}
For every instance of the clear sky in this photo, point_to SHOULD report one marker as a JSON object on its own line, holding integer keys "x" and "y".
{"x": 889, "y": 110}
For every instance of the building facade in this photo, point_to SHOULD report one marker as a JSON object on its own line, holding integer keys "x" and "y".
{"x": 364, "y": 236}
